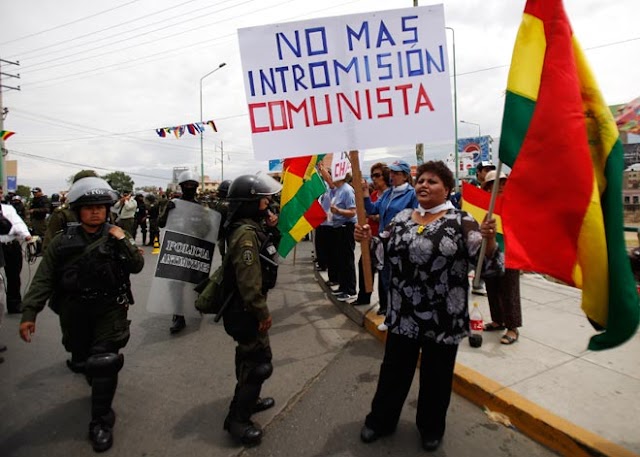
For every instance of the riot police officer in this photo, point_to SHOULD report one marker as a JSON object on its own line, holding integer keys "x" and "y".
{"x": 188, "y": 182}
{"x": 85, "y": 273}
{"x": 252, "y": 260}
{"x": 62, "y": 217}
{"x": 221, "y": 205}
{"x": 153, "y": 212}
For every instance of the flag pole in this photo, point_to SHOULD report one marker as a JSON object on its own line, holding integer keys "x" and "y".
{"x": 492, "y": 204}
{"x": 362, "y": 219}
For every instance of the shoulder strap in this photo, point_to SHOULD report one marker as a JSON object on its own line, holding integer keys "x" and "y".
{"x": 97, "y": 243}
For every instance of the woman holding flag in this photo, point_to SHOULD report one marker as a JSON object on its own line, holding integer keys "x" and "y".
{"x": 430, "y": 251}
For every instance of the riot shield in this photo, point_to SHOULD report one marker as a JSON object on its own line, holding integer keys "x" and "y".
{"x": 186, "y": 254}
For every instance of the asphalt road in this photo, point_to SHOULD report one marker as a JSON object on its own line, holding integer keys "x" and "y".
{"x": 174, "y": 391}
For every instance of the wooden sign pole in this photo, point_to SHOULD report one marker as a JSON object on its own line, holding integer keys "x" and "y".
{"x": 362, "y": 219}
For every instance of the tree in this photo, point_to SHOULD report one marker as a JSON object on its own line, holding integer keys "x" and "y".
{"x": 119, "y": 181}
{"x": 23, "y": 191}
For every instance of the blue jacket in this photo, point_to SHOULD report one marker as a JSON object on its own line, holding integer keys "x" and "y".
{"x": 390, "y": 204}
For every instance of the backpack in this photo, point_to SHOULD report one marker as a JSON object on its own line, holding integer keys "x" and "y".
{"x": 211, "y": 291}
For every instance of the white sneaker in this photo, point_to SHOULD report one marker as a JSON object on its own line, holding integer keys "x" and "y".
{"x": 346, "y": 297}
{"x": 383, "y": 327}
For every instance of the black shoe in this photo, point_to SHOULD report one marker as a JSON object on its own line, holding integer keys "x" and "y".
{"x": 368, "y": 435}
{"x": 244, "y": 432}
{"x": 76, "y": 367}
{"x": 360, "y": 303}
{"x": 178, "y": 324}
{"x": 263, "y": 404}
{"x": 381, "y": 312}
{"x": 100, "y": 435}
{"x": 431, "y": 444}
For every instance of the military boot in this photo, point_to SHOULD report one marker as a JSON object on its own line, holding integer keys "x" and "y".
{"x": 103, "y": 369}
{"x": 178, "y": 324}
{"x": 101, "y": 431}
{"x": 238, "y": 423}
{"x": 102, "y": 416}
{"x": 263, "y": 404}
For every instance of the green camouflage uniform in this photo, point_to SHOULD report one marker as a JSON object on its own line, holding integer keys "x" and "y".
{"x": 57, "y": 223}
{"x": 248, "y": 308}
{"x": 90, "y": 292}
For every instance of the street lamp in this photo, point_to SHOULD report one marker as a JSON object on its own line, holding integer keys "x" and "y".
{"x": 455, "y": 103}
{"x": 202, "y": 130}
{"x": 473, "y": 123}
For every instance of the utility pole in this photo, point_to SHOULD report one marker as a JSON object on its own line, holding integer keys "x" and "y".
{"x": 3, "y": 114}
{"x": 419, "y": 146}
{"x": 221, "y": 161}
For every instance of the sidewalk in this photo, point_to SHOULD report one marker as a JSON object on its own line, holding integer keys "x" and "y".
{"x": 574, "y": 401}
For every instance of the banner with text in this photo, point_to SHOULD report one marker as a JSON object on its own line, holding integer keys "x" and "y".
{"x": 348, "y": 82}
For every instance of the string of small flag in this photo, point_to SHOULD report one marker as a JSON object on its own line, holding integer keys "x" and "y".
{"x": 179, "y": 130}
{"x": 5, "y": 134}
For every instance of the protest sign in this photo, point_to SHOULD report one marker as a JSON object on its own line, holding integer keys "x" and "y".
{"x": 348, "y": 82}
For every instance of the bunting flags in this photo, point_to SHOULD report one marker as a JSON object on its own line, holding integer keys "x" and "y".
{"x": 300, "y": 211}
{"x": 5, "y": 134}
{"x": 562, "y": 206}
{"x": 194, "y": 129}
{"x": 475, "y": 201}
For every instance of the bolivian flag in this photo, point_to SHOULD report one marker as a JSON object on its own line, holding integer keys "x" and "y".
{"x": 562, "y": 205}
{"x": 5, "y": 134}
{"x": 300, "y": 211}
{"x": 475, "y": 201}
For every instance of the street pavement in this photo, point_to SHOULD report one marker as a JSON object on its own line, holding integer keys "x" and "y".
{"x": 575, "y": 401}
{"x": 174, "y": 390}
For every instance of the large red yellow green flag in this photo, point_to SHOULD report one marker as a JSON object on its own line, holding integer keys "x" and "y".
{"x": 562, "y": 206}
{"x": 300, "y": 211}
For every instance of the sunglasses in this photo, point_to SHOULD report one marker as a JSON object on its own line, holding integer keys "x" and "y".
{"x": 376, "y": 175}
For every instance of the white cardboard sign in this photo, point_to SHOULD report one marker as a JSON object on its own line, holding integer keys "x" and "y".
{"x": 348, "y": 82}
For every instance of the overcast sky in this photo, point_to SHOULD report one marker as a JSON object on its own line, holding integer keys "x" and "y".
{"x": 98, "y": 78}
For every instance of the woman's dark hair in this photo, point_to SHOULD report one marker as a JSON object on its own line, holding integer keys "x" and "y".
{"x": 382, "y": 167}
{"x": 440, "y": 169}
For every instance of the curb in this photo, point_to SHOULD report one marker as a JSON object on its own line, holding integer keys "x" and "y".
{"x": 537, "y": 423}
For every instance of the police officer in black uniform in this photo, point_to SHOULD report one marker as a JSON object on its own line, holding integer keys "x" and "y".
{"x": 253, "y": 271}
{"x": 85, "y": 275}
{"x": 189, "y": 183}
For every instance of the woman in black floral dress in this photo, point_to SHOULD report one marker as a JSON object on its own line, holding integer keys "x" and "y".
{"x": 431, "y": 250}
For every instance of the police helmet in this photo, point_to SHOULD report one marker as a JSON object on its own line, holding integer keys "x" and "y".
{"x": 91, "y": 191}
{"x": 55, "y": 197}
{"x": 253, "y": 187}
{"x": 84, "y": 174}
{"x": 223, "y": 188}
{"x": 188, "y": 176}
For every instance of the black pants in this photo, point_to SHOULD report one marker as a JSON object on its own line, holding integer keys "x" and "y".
{"x": 322, "y": 249}
{"x": 343, "y": 258}
{"x": 396, "y": 374}
{"x": 364, "y": 297}
{"x": 13, "y": 266}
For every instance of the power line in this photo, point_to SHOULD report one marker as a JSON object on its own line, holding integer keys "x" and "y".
{"x": 101, "y": 40}
{"x": 81, "y": 165}
{"x": 70, "y": 23}
{"x": 122, "y": 136}
{"x": 145, "y": 16}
